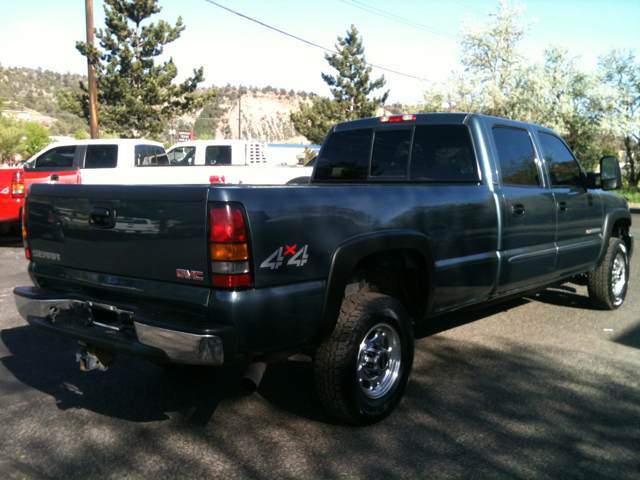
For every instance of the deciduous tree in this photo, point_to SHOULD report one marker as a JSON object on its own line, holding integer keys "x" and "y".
{"x": 619, "y": 103}
{"x": 498, "y": 81}
{"x": 36, "y": 138}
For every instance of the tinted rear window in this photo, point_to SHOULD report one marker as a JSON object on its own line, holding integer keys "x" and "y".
{"x": 391, "y": 153}
{"x": 345, "y": 156}
{"x": 101, "y": 156}
{"x": 443, "y": 153}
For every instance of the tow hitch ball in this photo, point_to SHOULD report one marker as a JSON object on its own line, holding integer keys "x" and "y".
{"x": 91, "y": 357}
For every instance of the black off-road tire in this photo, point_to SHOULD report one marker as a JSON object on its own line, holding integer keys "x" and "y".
{"x": 607, "y": 284}
{"x": 370, "y": 330}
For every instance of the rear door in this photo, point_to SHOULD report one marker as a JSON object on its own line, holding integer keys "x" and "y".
{"x": 55, "y": 165}
{"x": 137, "y": 231}
{"x": 529, "y": 206}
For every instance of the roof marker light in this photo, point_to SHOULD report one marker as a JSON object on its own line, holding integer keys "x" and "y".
{"x": 397, "y": 118}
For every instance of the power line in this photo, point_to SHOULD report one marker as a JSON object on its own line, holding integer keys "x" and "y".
{"x": 396, "y": 18}
{"x": 303, "y": 40}
{"x": 469, "y": 7}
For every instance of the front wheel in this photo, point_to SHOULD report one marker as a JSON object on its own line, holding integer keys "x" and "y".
{"x": 362, "y": 370}
{"x": 607, "y": 284}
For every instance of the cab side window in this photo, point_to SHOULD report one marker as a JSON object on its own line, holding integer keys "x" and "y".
{"x": 182, "y": 156}
{"x": 59, "y": 157}
{"x": 101, "y": 156}
{"x": 145, "y": 156}
{"x": 161, "y": 155}
{"x": 443, "y": 153}
{"x": 563, "y": 167}
{"x": 517, "y": 157}
{"x": 218, "y": 155}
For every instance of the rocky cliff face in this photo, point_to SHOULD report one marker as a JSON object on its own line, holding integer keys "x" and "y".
{"x": 256, "y": 114}
{"x": 264, "y": 115}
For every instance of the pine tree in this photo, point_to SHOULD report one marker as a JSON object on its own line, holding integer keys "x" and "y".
{"x": 352, "y": 85}
{"x": 350, "y": 90}
{"x": 136, "y": 97}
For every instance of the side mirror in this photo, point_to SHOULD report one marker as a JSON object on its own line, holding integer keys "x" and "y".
{"x": 610, "y": 175}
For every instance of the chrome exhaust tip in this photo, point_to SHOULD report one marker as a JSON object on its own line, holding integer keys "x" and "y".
{"x": 251, "y": 379}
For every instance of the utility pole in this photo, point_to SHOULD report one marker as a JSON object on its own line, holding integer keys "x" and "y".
{"x": 93, "y": 88}
{"x": 239, "y": 116}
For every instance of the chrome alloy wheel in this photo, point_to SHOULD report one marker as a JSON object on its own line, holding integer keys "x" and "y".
{"x": 618, "y": 275}
{"x": 379, "y": 361}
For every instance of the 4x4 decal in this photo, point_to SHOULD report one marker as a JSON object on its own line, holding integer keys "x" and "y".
{"x": 277, "y": 258}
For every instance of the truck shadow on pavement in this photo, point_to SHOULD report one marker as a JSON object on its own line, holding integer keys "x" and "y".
{"x": 508, "y": 409}
{"x": 131, "y": 389}
{"x": 630, "y": 337}
{"x": 11, "y": 239}
{"x": 138, "y": 391}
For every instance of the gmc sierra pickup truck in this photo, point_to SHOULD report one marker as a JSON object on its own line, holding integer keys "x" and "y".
{"x": 405, "y": 218}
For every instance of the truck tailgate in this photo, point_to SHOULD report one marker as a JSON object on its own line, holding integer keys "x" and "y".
{"x": 142, "y": 232}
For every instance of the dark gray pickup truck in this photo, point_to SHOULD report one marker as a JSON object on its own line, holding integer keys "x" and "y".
{"x": 405, "y": 217}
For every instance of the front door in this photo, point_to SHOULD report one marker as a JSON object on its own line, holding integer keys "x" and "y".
{"x": 580, "y": 216}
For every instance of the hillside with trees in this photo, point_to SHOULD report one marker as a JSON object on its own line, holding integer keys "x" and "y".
{"x": 36, "y": 91}
{"x": 265, "y": 111}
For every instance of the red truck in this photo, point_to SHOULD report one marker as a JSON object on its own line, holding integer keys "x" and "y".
{"x": 12, "y": 191}
{"x": 54, "y": 164}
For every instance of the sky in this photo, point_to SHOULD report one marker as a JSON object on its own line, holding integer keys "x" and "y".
{"x": 417, "y": 38}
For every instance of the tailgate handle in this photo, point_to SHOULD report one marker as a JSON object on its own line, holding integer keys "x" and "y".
{"x": 55, "y": 177}
{"x": 102, "y": 217}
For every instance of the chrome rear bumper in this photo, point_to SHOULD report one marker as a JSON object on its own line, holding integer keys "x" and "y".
{"x": 59, "y": 316}
{"x": 182, "y": 347}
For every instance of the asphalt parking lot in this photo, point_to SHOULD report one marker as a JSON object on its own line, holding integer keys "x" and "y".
{"x": 541, "y": 387}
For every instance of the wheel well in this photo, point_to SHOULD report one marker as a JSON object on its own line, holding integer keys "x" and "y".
{"x": 401, "y": 274}
{"x": 621, "y": 230}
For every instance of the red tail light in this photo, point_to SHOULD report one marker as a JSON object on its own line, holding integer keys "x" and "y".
{"x": 217, "y": 179}
{"x": 17, "y": 185}
{"x": 25, "y": 237}
{"x": 229, "y": 250}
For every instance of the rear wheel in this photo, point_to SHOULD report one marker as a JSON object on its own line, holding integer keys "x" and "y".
{"x": 608, "y": 283}
{"x": 362, "y": 370}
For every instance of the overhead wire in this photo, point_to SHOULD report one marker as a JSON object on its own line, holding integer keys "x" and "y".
{"x": 399, "y": 19}
{"x": 305, "y": 41}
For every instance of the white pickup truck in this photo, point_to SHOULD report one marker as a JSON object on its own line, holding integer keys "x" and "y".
{"x": 233, "y": 161}
{"x": 144, "y": 162}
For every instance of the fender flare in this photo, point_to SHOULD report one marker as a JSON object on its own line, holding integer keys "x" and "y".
{"x": 347, "y": 255}
{"x": 609, "y": 221}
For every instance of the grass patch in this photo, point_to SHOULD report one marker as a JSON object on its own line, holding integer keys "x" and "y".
{"x": 632, "y": 194}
